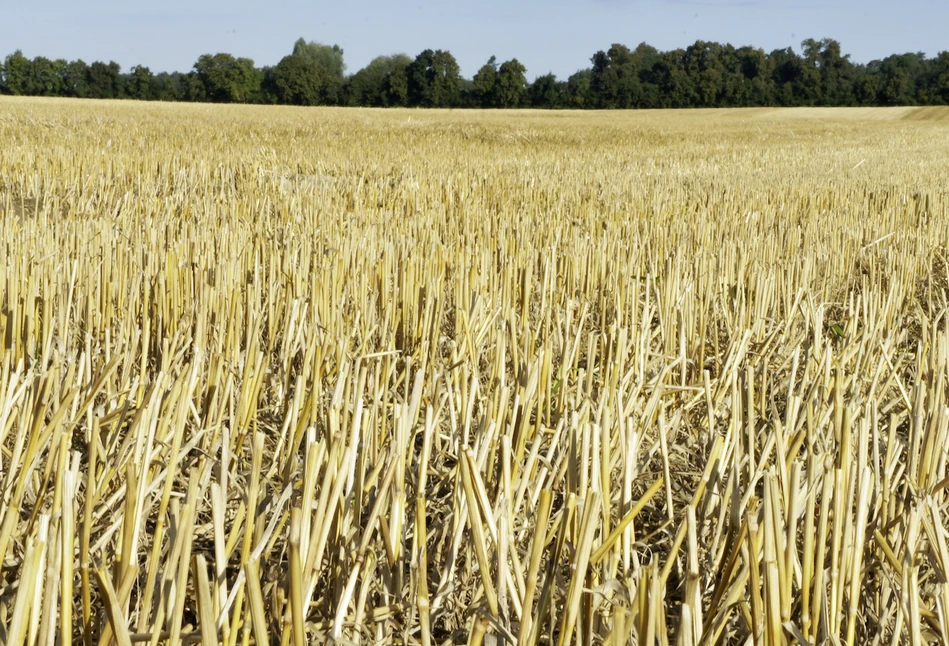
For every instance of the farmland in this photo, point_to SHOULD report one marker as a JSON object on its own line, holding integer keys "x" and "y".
{"x": 277, "y": 375}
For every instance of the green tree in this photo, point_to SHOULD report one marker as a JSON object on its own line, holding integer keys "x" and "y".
{"x": 704, "y": 74}
{"x": 104, "y": 80}
{"x": 578, "y": 93}
{"x": 267, "y": 94}
{"x": 643, "y": 62}
{"x": 370, "y": 86}
{"x": 709, "y": 85}
{"x": 434, "y": 80}
{"x": 900, "y": 74}
{"x": 76, "y": 79}
{"x": 141, "y": 84}
{"x": 397, "y": 86}
{"x": 808, "y": 84}
{"x": 330, "y": 59}
{"x": 836, "y": 74}
{"x": 788, "y": 77}
{"x": 46, "y": 77}
{"x": 940, "y": 76}
{"x": 299, "y": 81}
{"x": 484, "y": 83}
{"x": 227, "y": 79}
{"x": 512, "y": 84}
{"x": 16, "y": 73}
{"x": 674, "y": 87}
{"x": 866, "y": 87}
{"x": 757, "y": 70}
{"x": 169, "y": 86}
{"x": 735, "y": 89}
{"x": 604, "y": 79}
{"x": 703, "y": 61}
{"x": 547, "y": 92}
{"x": 615, "y": 77}
{"x": 193, "y": 87}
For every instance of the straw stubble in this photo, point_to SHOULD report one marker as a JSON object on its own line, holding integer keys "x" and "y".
{"x": 277, "y": 376}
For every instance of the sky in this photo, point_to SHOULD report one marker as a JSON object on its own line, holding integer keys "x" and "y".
{"x": 556, "y": 36}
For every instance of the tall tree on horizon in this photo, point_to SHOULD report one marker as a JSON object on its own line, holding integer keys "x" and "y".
{"x": 380, "y": 83}
{"x": 547, "y": 92}
{"x": 300, "y": 81}
{"x": 141, "y": 84}
{"x": 104, "y": 80}
{"x": 614, "y": 80}
{"x": 227, "y": 79}
{"x": 512, "y": 84}
{"x": 16, "y": 73}
{"x": 940, "y": 76}
{"x": 578, "y": 92}
{"x": 434, "y": 79}
{"x": 333, "y": 67}
{"x": 76, "y": 79}
{"x": 484, "y": 82}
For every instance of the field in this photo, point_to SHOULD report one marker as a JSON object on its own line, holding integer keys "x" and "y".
{"x": 276, "y": 375}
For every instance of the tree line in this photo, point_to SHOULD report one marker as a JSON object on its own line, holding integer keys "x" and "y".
{"x": 705, "y": 74}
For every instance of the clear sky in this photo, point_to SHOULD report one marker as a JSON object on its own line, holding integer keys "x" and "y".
{"x": 545, "y": 35}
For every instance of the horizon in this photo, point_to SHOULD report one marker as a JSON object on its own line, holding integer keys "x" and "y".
{"x": 559, "y": 38}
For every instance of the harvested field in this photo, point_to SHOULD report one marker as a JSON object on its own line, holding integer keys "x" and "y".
{"x": 276, "y": 375}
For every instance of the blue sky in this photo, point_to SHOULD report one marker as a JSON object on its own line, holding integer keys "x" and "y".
{"x": 552, "y": 35}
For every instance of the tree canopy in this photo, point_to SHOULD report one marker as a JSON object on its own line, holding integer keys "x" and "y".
{"x": 381, "y": 83}
{"x": 434, "y": 80}
{"x": 703, "y": 74}
{"x": 227, "y": 79}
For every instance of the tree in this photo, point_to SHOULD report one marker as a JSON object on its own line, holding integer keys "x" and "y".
{"x": 193, "y": 87}
{"x": 330, "y": 60}
{"x": 267, "y": 94}
{"x": 434, "y": 79}
{"x": 836, "y": 74}
{"x": 16, "y": 73}
{"x": 704, "y": 74}
{"x": 788, "y": 77}
{"x": 397, "y": 86}
{"x": 615, "y": 81}
{"x": 674, "y": 88}
{"x": 299, "y": 81}
{"x": 46, "y": 77}
{"x": 141, "y": 84}
{"x": 704, "y": 64}
{"x": 330, "y": 57}
{"x": 899, "y": 76}
{"x": 484, "y": 82}
{"x": 940, "y": 76}
{"x": 578, "y": 93}
{"x": 866, "y": 87}
{"x": 734, "y": 89}
{"x": 757, "y": 69}
{"x": 169, "y": 87}
{"x": 227, "y": 79}
{"x": 76, "y": 79}
{"x": 104, "y": 80}
{"x": 511, "y": 84}
{"x": 371, "y": 86}
{"x": 643, "y": 61}
{"x": 604, "y": 80}
{"x": 547, "y": 92}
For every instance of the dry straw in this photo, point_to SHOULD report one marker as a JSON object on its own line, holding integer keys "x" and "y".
{"x": 285, "y": 376}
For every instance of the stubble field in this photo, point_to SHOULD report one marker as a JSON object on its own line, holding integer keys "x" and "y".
{"x": 275, "y": 375}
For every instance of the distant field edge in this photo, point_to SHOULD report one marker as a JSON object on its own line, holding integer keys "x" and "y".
{"x": 939, "y": 113}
